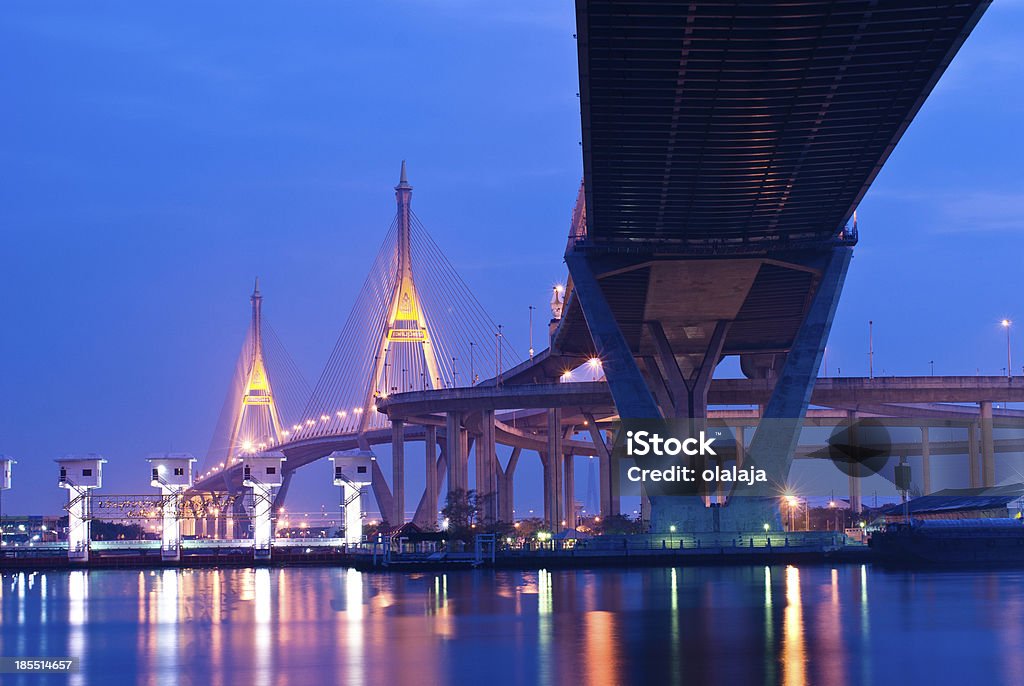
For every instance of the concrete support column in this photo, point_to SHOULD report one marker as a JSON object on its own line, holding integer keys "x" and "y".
{"x": 457, "y": 453}
{"x": 398, "y": 472}
{"x": 856, "y": 506}
{"x": 430, "y": 471}
{"x": 558, "y": 493}
{"x": 506, "y": 488}
{"x": 570, "y": 491}
{"x": 926, "y": 461}
{"x": 632, "y": 397}
{"x": 210, "y": 520}
{"x": 775, "y": 441}
{"x": 229, "y": 523}
{"x": 604, "y": 467}
{"x": 548, "y": 480}
{"x": 240, "y": 517}
{"x": 741, "y": 447}
{"x": 988, "y": 453}
{"x": 720, "y": 488}
{"x": 855, "y": 496}
{"x": 604, "y": 480}
{"x": 464, "y": 445}
{"x": 554, "y": 467}
{"x": 972, "y": 453}
{"x": 486, "y": 463}
{"x": 615, "y": 496}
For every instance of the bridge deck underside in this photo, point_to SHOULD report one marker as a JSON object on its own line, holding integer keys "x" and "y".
{"x": 749, "y": 123}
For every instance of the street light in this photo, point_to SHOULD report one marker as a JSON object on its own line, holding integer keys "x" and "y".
{"x": 791, "y": 502}
{"x": 1009, "y": 368}
{"x": 532, "y": 308}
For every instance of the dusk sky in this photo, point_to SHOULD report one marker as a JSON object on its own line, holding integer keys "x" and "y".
{"x": 155, "y": 157}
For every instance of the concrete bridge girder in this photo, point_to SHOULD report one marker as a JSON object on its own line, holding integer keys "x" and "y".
{"x": 529, "y": 431}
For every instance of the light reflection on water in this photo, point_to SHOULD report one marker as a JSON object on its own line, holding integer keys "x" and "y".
{"x": 776, "y": 625}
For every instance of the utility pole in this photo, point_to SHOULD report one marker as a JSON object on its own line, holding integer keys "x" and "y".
{"x": 532, "y": 308}
{"x": 497, "y": 356}
{"x": 1009, "y": 367}
{"x": 871, "y": 349}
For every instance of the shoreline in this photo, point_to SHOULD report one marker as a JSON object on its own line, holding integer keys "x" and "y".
{"x": 459, "y": 561}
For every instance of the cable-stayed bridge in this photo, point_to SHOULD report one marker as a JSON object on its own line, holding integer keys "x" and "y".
{"x": 415, "y": 326}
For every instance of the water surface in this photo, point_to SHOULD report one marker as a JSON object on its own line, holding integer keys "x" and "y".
{"x": 311, "y": 626}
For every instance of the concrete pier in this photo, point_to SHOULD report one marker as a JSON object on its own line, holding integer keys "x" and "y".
{"x": 926, "y": 461}
{"x": 988, "y": 457}
{"x": 458, "y": 479}
{"x": 552, "y": 471}
{"x": 486, "y": 463}
{"x": 972, "y": 453}
{"x": 569, "y": 480}
{"x": 430, "y": 472}
{"x": 398, "y": 472}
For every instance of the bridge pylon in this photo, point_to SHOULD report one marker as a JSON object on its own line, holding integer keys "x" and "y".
{"x": 266, "y": 391}
{"x": 259, "y": 422}
{"x": 405, "y": 332}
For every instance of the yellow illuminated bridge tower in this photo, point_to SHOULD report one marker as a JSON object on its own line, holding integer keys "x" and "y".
{"x": 266, "y": 391}
{"x": 404, "y": 348}
{"x": 259, "y": 422}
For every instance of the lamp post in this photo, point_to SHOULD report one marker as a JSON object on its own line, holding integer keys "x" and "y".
{"x": 497, "y": 355}
{"x": 871, "y": 349}
{"x": 792, "y": 502}
{"x": 1009, "y": 369}
{"x": 532, "y": 308}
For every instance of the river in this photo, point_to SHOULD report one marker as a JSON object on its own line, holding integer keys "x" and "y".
{"x": 848, "y": 624}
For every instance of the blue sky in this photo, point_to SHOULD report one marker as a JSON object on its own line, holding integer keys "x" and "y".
{"x": 155, "y": 157}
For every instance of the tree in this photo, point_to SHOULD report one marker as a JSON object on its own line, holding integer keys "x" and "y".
{"x": 618, "y": 525}
{"x": 530, "y": 526}
{"x": 462, "y": 513}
